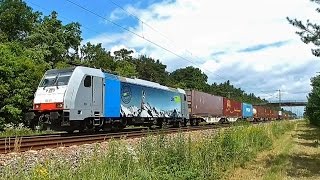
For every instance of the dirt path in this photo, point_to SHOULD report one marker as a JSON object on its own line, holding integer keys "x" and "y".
{"x": 294, "y": 156}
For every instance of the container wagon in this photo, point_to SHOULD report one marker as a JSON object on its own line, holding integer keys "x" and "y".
{"x": 260, "y": 113}
{"x": 247, "y": 111}
{"x": 269, "y": 114}
{"x": 204, "y": 107}
{"x": 232, "y": 110}
{"x": 274, "y": 115}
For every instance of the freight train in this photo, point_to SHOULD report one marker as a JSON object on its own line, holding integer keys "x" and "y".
{"x": 86, "y": 99}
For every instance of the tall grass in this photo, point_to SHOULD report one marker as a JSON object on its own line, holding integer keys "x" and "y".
{"x": 210, "y": 156}
{"x": 11, "y": 130}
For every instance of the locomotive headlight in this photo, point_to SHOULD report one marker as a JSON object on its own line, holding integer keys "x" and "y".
{"x": 36, "y": 106}
{"x": 59, "y": 105}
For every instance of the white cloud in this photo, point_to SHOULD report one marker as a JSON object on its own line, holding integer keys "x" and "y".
{"x": 117, "y": 14}
{"x": 206, "y": 27}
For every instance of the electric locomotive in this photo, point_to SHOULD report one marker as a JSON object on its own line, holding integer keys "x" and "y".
{"x": 84, "y": 99}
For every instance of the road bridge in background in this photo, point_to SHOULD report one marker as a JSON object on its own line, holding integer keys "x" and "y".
{"x": 286, "y": 103}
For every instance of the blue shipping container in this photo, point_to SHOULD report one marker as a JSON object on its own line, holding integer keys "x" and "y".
{"x": 247, "y": 110}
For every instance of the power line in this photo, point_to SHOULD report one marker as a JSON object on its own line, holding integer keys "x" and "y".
{"x": 90, "y": 29}
{"x": 139, "y": 19}
{"x": 138, "y": 35}
{"x": 131, "y": 14}
{"x": 63, "y": 17}
{"x": 148, "y": 25}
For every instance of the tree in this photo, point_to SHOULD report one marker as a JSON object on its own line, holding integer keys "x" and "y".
{"x": 57, "y": 41}
{"x": 16, "y": 20}
{"x": 96, "y": 56}
{"x": 309, "y": 32}
{"x": 19, "y": 77}
{"x": 190, "y": 78}
{"x": 126, "y": 68}
{"x": 313, "y": 104}
{"x": 123, "y": 54}
{"x": 226, "y": 89}
{"x": 151, "y": 70}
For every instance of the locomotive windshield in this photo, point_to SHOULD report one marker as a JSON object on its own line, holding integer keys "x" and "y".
{"x": 56, "y": 78}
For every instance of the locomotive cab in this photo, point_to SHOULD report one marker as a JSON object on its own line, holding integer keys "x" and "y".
{"x": 65, "y": 97}
{"x": 51, "y": 90}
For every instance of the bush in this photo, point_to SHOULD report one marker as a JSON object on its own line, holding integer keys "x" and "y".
{"x": 11, "y": 130}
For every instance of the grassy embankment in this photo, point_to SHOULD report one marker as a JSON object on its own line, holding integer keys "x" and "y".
{"x": 295, "y": 155}
{"x": 211, "y": 156}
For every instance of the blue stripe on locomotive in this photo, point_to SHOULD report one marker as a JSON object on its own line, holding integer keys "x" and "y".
{"x": 247, "y": 110}
{"x": 143, "y": 101}
{"x": 112, "y": 96}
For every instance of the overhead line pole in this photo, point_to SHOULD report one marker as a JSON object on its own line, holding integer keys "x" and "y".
{"x": 279, "y": 99}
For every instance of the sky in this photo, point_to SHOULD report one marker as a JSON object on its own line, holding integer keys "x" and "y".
{"x": 248, "y": 42}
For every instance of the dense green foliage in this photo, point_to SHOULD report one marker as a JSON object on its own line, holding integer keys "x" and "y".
{"x": 14, "y": 130}
{"x": 313, "y": 105}
{"x": 207, "y": 156}
{"x": 31, "y": 43}
{"x": 310, "y": 33}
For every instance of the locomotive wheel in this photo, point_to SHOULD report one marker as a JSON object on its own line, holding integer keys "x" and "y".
{"x": 184, "y": 122}
{"x": 97, "y": 129}
{"x": 161, "y": 123}
{"x": 192, "y": 122}
{"x": 87, "y": 126}
{"x": 70, "y": 131}
{"x": 177, "y": 124}
{"x": 197, "y": 122}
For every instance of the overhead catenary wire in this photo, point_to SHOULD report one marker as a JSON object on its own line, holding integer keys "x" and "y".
{"x": 139, "y": 19}
{"x": 63, "y": 17}
{"x": 138, "y": 35}
{"x": 154, "y": 29}
{"x": 143, "y": 22}
{"x": 90, "y": 29}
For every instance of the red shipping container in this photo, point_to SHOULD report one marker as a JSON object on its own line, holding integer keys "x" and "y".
{"x": 275, "y": 114}
{"x": 232, "y": 108}
{"x": 269, "y": 113}
{"x": 261, "y": 112}
{"x": 204, "y": 104}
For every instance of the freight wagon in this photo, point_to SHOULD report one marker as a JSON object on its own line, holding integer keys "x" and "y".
{"x": 204, "y": 107}
{"x": 247, "y": 111}
{"x": 269, "y": 114}
{"x": 214, "y": 109}
{"x": 260, "y": 113}
{"x": 274, "y": 115}
{"x": 232, "y": 110}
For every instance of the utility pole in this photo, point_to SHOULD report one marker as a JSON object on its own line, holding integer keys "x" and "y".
{"x": 279, "y": 99}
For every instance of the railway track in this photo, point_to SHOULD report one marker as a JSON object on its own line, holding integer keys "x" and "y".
{"x": 25, "y": 143}
{"x": 38, "y": 142}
